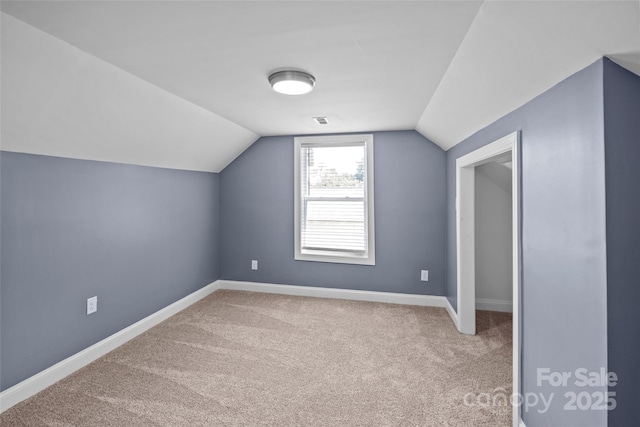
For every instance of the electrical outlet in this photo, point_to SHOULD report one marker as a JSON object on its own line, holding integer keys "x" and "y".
{"x": 92, "y": 305}
{"x": 254, "y": 264}
{"x": 424, "y": 275}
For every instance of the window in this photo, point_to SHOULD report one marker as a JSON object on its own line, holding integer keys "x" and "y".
{"x": 334, "y": 199}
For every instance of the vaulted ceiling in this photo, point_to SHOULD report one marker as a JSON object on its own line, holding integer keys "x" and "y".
{"x": 183, "y": 84}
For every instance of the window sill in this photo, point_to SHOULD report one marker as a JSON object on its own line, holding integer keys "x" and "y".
{"x": 331, "y": 257}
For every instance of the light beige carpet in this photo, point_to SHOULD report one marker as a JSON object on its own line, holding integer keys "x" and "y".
{"x": 251, "y": 359}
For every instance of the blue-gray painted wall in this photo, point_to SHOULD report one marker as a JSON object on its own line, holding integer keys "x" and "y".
{"x": 622, "y": 153}
{"x": 564, "y": 312}
{"x": 257, "y": 218}
{"x": 139, "y": 238}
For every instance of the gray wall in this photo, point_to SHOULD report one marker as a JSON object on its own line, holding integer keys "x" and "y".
{"x": 139, "y": 238}
{"x": 256, "y": 218}
{"x": 563, "y": 235}
{"x": 622, "y": 153}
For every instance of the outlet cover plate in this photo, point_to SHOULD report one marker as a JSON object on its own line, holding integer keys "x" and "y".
{"x": 92, "y": 305}
{"x": 424, "y": 275}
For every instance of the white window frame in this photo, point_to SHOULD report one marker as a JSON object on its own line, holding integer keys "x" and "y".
{"x": 369, "y": 257}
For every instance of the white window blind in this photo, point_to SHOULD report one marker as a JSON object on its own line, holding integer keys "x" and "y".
{"x": 333, "y": 199}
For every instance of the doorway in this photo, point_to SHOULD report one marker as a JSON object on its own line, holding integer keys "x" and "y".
{"x": 494, "y": 235}
{"x": 498, "y": 151}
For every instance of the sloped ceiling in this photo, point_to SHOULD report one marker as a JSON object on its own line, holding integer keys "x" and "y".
{"x": 184, "y": 84}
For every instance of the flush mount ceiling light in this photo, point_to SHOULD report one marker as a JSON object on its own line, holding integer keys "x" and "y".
{"x": 291, "y": 82}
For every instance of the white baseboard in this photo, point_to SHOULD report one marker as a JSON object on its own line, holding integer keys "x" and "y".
{"x": 55, "y": 373}
{"x": 494, "y": 305}
{"x": 521, "y": 424}
{"x": 347, "y": 294}
{"x": 453, "y": 314}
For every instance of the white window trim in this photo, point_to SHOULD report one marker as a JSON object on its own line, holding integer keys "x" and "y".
{"x": 328, "y": 256}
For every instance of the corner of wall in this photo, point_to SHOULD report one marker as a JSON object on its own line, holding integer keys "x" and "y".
{"x": 622, "y": 152}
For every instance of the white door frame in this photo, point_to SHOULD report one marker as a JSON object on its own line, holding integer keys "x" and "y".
{"x": 465, "y": 243}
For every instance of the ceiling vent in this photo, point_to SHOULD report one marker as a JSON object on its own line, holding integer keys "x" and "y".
{"x": 321, "y": 120}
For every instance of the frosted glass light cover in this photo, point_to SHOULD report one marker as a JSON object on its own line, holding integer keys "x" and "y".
{"x": 292, "y": 82}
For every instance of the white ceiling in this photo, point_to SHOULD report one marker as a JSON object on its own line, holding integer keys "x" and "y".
{"x": 444, "y": 68}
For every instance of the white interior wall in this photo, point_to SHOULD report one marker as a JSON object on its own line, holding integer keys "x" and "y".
{"x": 493, "y": 239}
